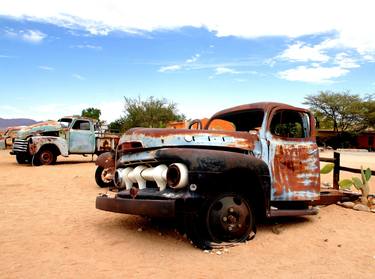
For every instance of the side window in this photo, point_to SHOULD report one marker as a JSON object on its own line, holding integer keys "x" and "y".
{"x": 81, "y": 125}
{"x": 290, "y": 124}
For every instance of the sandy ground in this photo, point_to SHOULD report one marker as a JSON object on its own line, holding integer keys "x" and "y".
{"x": 49, "y": 228}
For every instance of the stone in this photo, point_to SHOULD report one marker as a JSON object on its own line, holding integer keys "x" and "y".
{"x": 373, "y": 210}
{"x": 361, "y": 207}
{"x": 347, "y": 204}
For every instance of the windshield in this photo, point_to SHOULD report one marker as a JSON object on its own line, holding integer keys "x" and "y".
{"x": 65, "y": 122}
{"x": 244, "y": 121}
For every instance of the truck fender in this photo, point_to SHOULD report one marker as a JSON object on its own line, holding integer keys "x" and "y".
{"x": 220, "y": 165}
{"x": 37, "y": 142}
{"x": 106, "y": 160}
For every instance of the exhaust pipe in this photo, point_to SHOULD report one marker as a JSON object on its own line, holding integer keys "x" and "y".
{"x": 176, "y": 176}
{"x": 157, "y": 174}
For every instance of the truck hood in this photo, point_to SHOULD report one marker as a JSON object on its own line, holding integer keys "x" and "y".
{"x": 155, "y": 138}
{"x": 39, "y": 128}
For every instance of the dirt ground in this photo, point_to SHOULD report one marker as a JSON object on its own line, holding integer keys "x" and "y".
{"x": 49, "y": 228}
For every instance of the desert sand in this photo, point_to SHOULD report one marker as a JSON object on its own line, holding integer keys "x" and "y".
{"x": 49, "y": 228}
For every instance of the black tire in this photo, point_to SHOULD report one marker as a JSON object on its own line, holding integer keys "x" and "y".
{"x": 23, "y": 158}
{"x": 45, "y": 157}
{"x": 100, "y": 178}
{"x": 225, "y": 218}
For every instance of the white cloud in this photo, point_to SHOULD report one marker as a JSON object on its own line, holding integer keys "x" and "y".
{"x": 88, "y": 46}
{"x": 345, "y": 61}
{"x": 46, "y": 68}
{"x": 171, "y": 68}
{"x": 187, "y": 64}
{"x": 301, "y": 52}
{"x": 77, "y": 76}
{"x": 353, "y": 20}
{"x": 224, "y": 70}
{"x": 193, "y": 58}
{"x": 313, "y": 74}
{"x": 31, "y": 36}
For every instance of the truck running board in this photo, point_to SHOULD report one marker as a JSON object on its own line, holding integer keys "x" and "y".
{"x": 292, "y": 212}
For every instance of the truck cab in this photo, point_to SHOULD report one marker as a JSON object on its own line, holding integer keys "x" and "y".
{"x": 41, "y": 143}
{"x": 220, "y": 183}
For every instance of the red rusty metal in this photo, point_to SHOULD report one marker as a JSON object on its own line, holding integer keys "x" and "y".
{"x": 243, "y": 140}
{"x": 106, "y": 160}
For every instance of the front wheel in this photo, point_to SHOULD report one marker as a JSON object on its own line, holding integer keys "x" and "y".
{"x": 224, "y": 218}
{"x": 23, "y": 158}
{"x": 101, "y": 178}
{"x": 44, "y": 157}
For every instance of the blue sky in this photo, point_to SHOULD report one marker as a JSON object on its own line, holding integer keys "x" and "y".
{"x": 59, "y": 57}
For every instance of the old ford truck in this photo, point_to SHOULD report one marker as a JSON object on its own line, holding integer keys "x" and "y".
{"x": 219, "y": 184}
{"x": 42, "y": 143}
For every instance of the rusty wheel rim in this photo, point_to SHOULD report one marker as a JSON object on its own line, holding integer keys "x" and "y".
{"x": 46, "y": 157}
{"x": 103, "y": 175}
{"x": 229, "y": 219}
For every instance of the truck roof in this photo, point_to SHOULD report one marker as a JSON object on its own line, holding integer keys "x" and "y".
{"x": 265, "y": 106}
{"x": 79, "y": 117}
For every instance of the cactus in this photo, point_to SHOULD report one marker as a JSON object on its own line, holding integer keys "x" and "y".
{"x": 359, "y": 183}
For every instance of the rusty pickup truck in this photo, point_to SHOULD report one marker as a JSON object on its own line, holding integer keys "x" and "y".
{"x": 7, "y": 139}
{"x": 219, "y": 183}
{"x": 41, "y": 143}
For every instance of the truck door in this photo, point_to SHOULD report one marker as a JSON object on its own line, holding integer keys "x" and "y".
{"x": 81, "y": 137}
{"x": 293, "y": 156}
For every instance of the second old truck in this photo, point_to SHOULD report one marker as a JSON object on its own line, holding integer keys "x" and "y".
{"x": 219, "y": 184}
{"x": 42, "y": 143}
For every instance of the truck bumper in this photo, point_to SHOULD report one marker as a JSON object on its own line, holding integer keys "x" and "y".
{"x": 151, "y": 208}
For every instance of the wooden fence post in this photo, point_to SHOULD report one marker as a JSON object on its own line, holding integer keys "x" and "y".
{"x": 336, "y": 170}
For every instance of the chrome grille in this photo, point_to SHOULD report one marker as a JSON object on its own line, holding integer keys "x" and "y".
{"x": 20, "y": 145}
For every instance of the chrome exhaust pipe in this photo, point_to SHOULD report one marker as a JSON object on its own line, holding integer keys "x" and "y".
{"x": 176, "y": 176}
{"x": 157, "y": 174}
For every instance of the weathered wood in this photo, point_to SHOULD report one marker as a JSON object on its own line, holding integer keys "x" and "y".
{"x": 336, "y": 170}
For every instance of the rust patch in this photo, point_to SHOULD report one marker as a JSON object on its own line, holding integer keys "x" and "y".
{"x": 106, "y": 160}
{"x": 295, "y": 172}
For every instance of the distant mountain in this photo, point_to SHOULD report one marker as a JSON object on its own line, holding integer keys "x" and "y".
{"x": 4, "y": 123}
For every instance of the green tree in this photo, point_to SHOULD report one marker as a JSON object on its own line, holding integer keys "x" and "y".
{"x": 340, "y": 111}
{"x": 369, "y": 107}
{"x": 116, "y": 126}
{"x": 150, "y": 113}
{"x": 93, "y": 113}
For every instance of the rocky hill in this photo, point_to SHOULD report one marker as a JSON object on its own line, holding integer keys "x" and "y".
{"x": 4, "y": 123}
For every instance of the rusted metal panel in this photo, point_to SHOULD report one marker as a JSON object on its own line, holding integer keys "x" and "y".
{"x": 81, "y": 141}
{"x": 39, "y": 128}
{"x": 294, "y": 171}
{"x": 6, "y": 140}
{"x": 106, "y": 142}
{"x": 39, "y": 141}
{"x": 153, "y": 138}
{"x": 332, "y": 196}
{"x": 106, "y": 160}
